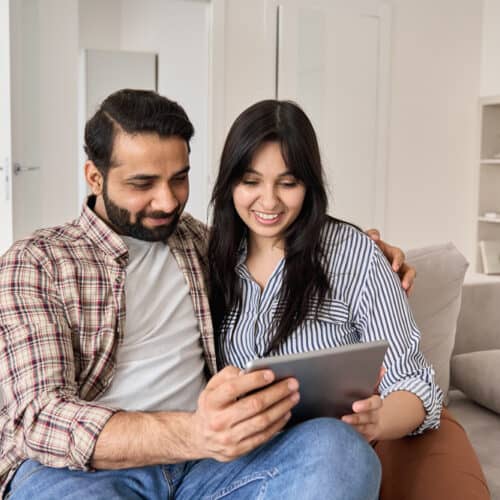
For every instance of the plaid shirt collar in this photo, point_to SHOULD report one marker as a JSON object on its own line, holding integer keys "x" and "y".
{"x": 101, "y": 234}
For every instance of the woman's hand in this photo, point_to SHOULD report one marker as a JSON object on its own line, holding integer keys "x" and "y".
{"x": 396, "y": 258}
{"x": 369, "y": 424}
{"x": 366, "y": 418}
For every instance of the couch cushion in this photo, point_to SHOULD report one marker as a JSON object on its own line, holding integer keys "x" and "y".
{"x": 435, "y": 301}
{"x": 477, "y": 375}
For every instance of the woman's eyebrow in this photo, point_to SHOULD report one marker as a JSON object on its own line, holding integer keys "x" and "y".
{"x": 283, "y": 174}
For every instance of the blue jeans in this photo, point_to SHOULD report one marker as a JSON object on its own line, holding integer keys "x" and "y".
{"x": 322, "y": 458}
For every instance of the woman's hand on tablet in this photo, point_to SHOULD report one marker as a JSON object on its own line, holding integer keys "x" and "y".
{"x": 367, "y": 425}
{"x": 366, "y": 417}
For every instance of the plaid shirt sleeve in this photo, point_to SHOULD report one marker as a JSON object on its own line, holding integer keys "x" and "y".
{"x": 45, "y": 419}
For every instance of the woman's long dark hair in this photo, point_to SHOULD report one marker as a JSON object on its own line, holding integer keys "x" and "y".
{"x": 304, "y": 277}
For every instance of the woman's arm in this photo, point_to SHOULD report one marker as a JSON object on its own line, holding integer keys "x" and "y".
{"x": 411, "y": 398}
{"x": 396, "y": 258}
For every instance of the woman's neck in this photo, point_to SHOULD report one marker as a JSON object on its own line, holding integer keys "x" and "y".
{"x": 262, "y": 258}
{"x": 265, "y": 248}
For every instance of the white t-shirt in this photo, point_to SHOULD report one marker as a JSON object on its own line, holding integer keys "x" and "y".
{"x": 159, "y": 364}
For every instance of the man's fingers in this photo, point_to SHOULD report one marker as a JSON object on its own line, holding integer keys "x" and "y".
{"x": 261, "y": 401}
{"x": 266, "y": 419}
{"x": 236, "y": 387}
{"x": 398, "y": 259}
{"x": 374, "y": 234}
{"x": 255, "y": 440}
{"x": 407, "y": 275}
{"x": 228, "y": 373}
{"x": 234, "y": 391}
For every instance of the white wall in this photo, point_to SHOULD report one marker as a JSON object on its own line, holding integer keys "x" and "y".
{"x": 490, "y": 54}
{"x": 99, "y": 24}
{"x": 433, "y": 125}
{"x": 179, "y": 32}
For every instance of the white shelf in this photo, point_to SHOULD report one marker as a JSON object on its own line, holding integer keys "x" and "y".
{"x": 488, "y": 165}
{"x": 473, "y": 278}
{"x": 489, "y": 219}
{"x": 490, "y": 161}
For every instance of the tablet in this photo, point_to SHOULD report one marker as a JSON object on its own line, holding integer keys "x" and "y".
{"x": 330, "y": 379}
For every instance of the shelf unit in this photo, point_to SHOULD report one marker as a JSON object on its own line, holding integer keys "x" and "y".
{"x": 488, "y": 228}
{"x": 490, "y": 162}
{"x": 489, "y": 220}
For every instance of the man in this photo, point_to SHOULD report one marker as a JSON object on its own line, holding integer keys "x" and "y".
{"x": 101, "y": 364}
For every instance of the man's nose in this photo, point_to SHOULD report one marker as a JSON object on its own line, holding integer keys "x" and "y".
{"x": 164, "y": 200}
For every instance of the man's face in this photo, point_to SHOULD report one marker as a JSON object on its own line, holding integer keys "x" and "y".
{"x": 147, "y": 188}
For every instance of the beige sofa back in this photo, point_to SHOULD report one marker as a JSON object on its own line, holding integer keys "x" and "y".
{"x": 435, "y": 302}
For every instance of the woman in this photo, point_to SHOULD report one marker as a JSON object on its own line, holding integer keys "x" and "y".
{"x": 285, "y": 277}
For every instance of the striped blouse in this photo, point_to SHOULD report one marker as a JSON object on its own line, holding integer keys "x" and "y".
{"x": 366, "y": 304}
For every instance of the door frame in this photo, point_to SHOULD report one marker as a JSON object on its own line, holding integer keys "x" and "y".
{"x": 6, "y": 229}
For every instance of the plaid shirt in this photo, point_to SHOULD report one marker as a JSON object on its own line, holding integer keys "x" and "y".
{"x": 62, "y": 317}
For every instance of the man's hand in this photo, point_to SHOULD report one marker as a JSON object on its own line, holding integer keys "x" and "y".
{"x": 230, "y": 422}
{"x": 396, "y": 257}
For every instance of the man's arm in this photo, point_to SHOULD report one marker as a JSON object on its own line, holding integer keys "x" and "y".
{"x": 226, "y": 424}
{"x": 47, "y": 420}
{"x": 50, "y": 423}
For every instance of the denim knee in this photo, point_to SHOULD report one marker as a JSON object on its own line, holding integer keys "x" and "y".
{"x": 334, "y": 452}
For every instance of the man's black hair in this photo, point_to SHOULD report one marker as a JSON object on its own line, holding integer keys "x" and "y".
{"x": 133, "y": 112}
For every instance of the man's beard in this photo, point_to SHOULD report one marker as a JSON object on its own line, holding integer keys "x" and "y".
{"x": 120, "y": 219}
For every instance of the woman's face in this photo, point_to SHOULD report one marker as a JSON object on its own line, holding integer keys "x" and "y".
{"x": 268, "y": 198}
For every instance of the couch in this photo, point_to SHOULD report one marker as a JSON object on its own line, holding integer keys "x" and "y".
{"x": 460, "y": 325}
{"x": 475, "y": 372}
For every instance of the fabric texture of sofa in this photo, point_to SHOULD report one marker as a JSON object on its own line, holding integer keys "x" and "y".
{"x": 460, "y": 326}
{"x": 475, "y": 372}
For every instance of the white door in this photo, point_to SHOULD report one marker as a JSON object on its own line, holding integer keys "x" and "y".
{"x": 5, "y": 133}
{"x": 39, "y": 122}
{"x": 333, "y": 59}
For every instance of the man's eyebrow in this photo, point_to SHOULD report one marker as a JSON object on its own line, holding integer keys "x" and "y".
{"x": 148, "y": 177}
{"x": 142, "y": 177}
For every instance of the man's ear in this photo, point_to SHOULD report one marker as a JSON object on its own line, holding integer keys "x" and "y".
{"x": 94, "y": 178}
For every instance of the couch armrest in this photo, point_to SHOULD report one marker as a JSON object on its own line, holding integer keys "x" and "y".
{"x": 478, "y": 324}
